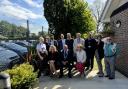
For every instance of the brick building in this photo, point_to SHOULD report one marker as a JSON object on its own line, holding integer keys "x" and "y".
{"x": 116, "y": 13}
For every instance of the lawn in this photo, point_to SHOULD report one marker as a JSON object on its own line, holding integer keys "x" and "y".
{"x": 95, "y": 64}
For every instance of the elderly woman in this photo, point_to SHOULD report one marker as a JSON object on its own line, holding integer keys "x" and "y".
{"x": 81, "y": 58}
{"x": 41, "y": 56}
{"x": 53, "y": 57}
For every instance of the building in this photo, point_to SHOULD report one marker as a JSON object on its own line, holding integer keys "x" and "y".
{"x": 116, "y": 13}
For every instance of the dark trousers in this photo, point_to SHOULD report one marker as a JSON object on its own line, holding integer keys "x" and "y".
{"x": 90, "y": 59}
{"x": 68, "y": 65}
{"x": 43, "y": 66}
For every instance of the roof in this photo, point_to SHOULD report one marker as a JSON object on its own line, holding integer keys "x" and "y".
{"x": 110, "y": 6}
{"x": 120, "y": 9}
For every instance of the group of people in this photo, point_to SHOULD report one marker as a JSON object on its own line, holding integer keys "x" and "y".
{"x": 79, "y": 53}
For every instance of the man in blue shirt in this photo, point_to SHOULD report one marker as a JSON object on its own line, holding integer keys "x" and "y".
{"x": 110, "y": 53}
{"x": 61, "y": 43}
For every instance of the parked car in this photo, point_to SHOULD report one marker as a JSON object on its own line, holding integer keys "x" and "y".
{"x": 24, "y": 43}
{"x": 20, "y": 50}
{"x": 8, "y": 58}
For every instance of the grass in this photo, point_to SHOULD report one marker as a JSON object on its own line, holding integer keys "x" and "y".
{"x": 95, "y": 64}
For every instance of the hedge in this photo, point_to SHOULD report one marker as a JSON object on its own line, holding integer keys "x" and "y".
{"x": 22, "y": 77}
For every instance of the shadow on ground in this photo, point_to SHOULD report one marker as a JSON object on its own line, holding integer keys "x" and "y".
{"x": 91, "y": 81}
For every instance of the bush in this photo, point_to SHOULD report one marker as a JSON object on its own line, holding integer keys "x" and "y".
{"x": 108, "y": 32}
{"x": 22, "y": 77}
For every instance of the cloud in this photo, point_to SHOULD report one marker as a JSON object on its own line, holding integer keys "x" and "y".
{"x": 13, "y": 9}
{"x": 32, "y": 3}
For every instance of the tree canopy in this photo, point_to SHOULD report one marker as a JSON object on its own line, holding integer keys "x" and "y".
{"x": 11, "y": 30}
{"x": 65, "y": 16}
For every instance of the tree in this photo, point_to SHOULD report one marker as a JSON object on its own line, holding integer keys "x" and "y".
{"x": 68, "y": 16}
{"x": 11, "y": 30}
{"x": 97, "y": 9}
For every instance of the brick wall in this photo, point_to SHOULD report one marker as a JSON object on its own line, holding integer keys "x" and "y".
{"x": 121, "y": 37}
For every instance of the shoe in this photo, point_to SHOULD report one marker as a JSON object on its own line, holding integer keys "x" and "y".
{"x": 91, "y": 68}
{"x": 98, "y": 73}
{"x": 110, "y": 78}
{"x": 106, "y": 76}
{"x": 60, "y": 76}
{"x": 87, "y": 69}
{"x": 39, "y": 75}
{"x": 70, "y": 76}
{"x": 101, "y": 75}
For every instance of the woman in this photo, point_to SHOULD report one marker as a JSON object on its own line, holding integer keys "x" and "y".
{"x": 81, "y": 58}
{"x": 41, "y": 56}
{"x": 53, "y": 57}
{"x": 100, "y": 55}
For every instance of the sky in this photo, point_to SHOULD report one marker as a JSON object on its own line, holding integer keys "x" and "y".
{"x": 19, "y": 11}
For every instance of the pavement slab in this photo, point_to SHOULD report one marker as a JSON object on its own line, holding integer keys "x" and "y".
{"x": 91, "y": 81}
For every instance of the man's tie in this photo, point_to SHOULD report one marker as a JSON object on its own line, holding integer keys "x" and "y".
{"x": 65, "y": 54}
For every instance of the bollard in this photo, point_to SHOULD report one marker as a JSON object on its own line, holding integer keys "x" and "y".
{"x": 5, "y": 82}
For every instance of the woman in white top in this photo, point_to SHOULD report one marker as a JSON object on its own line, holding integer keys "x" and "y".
{"x": 41, "y": 56}
{"x": 81, "y": 59}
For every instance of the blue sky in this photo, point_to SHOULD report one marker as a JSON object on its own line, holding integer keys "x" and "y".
{"x": 18, "y": 11}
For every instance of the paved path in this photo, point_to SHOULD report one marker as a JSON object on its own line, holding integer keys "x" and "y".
{"x": 92, "y": 81}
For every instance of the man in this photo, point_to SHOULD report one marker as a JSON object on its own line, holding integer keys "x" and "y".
{"x": 77, "y": 41}
{"x": 61, "y": 43}
{"x": 90, "y": 47}
{"x": 47, "y": 42}
{"x": 69, "y": 43}
{"x": 110, "y": 53}
{"x": 65, "y": 61}
{"x": 53, "y": 41}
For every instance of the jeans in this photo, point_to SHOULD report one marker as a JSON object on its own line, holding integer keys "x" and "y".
{"x": 110, "y": 66}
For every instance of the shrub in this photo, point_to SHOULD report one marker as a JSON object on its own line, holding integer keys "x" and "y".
{"x": 108, "y": 32}
{"x": 22, "y": 77}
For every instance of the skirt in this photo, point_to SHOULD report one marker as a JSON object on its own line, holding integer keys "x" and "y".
{"x": 80, "y": 67}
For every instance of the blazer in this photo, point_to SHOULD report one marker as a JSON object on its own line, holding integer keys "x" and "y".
{"x": 55, "y": 43}
{"x": 68, "y": 56}
{"x": 61, "y": 45}
{"x": 90, "y": 45}
{"x": 69, "y": 43}
{"x": 76, "y": 43}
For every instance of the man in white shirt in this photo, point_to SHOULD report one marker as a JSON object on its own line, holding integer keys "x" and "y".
{"x": 77, "y": 41}
{"x": 53, "y": 41}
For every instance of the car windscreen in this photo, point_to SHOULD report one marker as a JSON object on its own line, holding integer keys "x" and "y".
{"x": 15, "y": 46}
